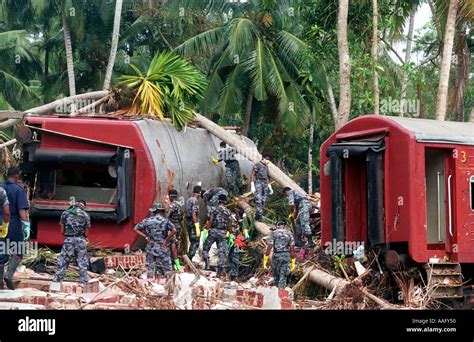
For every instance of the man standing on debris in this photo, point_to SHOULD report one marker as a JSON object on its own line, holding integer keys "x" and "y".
{"x": 300, "y": 211}
{"x": 19, "y": 225}
{"x": 232, "y": 168}
{"x": 193, "y": 221}
{"x": 176, "y": 214}
{"x": 218, "y": 225}
{"x": 260, "y": 185}
{"x": 211, "y": 198}
{"x": 283, "y": 260}
{"x": 158, "y": 232}
{"x": 75, "y": 224}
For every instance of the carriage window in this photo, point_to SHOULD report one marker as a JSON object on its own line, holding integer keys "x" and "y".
{"x": 471, "y": 185}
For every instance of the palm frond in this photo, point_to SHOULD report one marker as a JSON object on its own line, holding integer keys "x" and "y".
{"x": 201, "y": 44}
{"x": 257, "y": 66}
{"x": 243, "y": 34}
{"x": 16, "y": 92}
{"x": 171, "y": 87}
{"x": 231, "y": 97}
{"x": 292, "y": 47}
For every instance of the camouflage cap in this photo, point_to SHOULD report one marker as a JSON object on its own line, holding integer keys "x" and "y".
{"x": 280, "y": 223}
{"x": 157, "y": 207}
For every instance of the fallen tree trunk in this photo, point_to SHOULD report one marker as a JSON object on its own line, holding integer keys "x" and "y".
{"x": 260, "y": 226}
{"x": 317, "y": 276}
{"x": 90, "y": 109}
{"x": 55, "y": 104}
{"x": 67, "y": 101}
{"x": 250, "y": 153}
{"x": 8, "y": 143}
{"x": 8, "y": 123}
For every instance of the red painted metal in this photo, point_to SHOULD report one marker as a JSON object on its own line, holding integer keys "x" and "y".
{"x": 119, "y": 132}
{"x": 404, "y": 191}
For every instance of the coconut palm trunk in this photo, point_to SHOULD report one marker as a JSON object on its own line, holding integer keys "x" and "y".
{"x": 344, "y": 65}
{"x": 442, "y": 97}
{"x": 462, "y": 73}
{"x": 113, "y": 47}
{"x": 248, "y": 111}
{"x": 250, "y": 153}
{"x": 407, "y": 61}
{"x": 332, "y": 101}
{"x": 69, "y": 58}
{"x": 46, "y": 108}
{"x": 374, "y": 53}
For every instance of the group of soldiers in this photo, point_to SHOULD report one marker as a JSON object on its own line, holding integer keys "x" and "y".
{"x": 163, "y": 229}
{"x": 163, "y": 232}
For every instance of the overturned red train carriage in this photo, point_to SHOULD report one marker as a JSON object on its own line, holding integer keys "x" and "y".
{"x": 405, "y": 184}
{"x": 118, "y": 166}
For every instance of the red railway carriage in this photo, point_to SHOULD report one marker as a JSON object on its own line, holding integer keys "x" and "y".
{"x": 118, "y": 166}
{"x": 403, "y": 183}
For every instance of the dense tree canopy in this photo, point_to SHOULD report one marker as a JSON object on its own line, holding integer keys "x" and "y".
{"x": 271, "y": 66}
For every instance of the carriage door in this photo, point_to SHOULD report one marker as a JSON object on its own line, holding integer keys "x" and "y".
{"x": 439, "y": 199}
{"x": 357, "y": 191}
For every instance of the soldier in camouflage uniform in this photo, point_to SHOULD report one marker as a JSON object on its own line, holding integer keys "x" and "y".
{"x": 300, "y": 210}
{"x": 158, "y": 232}
{"x": 260, "y": 186}
{"x": 193, "y": 221}
{"x": 283, "y": 259}
{"x": 218, "y": 225}
{"x": 75, "y": 224}
{"x": 211, "y": 198}
{"x": 176, "y": 214}
{"x": 232, "y": 169}
{"x": 235, "y": 244}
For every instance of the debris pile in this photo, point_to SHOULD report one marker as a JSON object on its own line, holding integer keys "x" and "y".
{"x": 118, "y": 289}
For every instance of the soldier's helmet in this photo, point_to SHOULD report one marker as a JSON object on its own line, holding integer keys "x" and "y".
{"x": 157, "y": 207}
{"x": 173, "y": 193}
{"x": 222, "y": 198}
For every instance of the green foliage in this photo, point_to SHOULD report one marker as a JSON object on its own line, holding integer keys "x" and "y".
{"x": 284, "y": 53}
{"x": 339, "y": 263}
{"x": 171, "y": 87}
{"x": 255, "y": 48}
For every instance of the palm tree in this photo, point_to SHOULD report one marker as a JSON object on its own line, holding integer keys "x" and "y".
{"x": 69, "y": 57}
{"x": 407, "y": 61}
{"x": 344, "y": 65}
{"x": 171, "y": 87}
{"x": 374, "y": 53}
{"x": 254, "y": 56}
{"x": 441, "y": 102}
{"x": 45, "y": 12}
{"x": 113, "y": 48}
{"x": 18, "y": 64}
